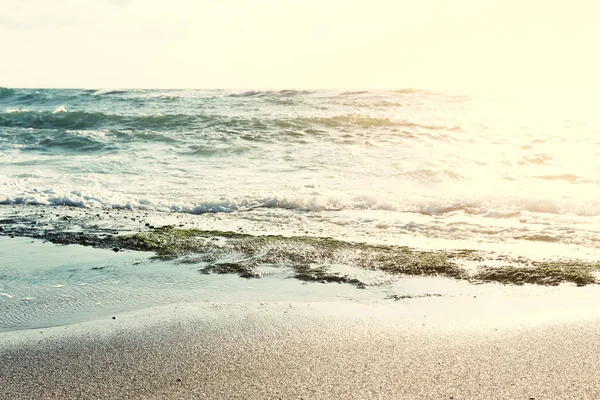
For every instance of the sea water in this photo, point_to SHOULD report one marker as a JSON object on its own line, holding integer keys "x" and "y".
{"x": 511, "y": 168}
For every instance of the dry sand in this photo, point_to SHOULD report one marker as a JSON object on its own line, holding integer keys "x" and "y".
{"x": 415, "y": 350}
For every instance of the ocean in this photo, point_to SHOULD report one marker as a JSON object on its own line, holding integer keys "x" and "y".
{"x": 389, "y": 164}
{"x": 510, "y": 173}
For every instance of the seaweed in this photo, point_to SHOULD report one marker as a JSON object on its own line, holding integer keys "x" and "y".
{"x": 302, "y": 254}
{"x": 542, "y": 273}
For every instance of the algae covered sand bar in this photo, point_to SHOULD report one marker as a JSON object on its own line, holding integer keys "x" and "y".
{"x": 309, "y": 256}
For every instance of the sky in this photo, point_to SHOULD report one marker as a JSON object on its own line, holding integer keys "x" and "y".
{"x": 237, "y": 44}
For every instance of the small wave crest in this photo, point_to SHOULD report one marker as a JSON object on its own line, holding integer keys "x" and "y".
{"x": 214, "y": 151}
{"x": 408, "y": 91}
{"x": 108, "y": 92}
{"x": 496, "y": 208}
{"x": 570, "y": 178}
{"x": 353, "y": 92}
{"x": 261, "y": 93}
{"x": 361, "y": 121}
{"x": 247, "y": 93}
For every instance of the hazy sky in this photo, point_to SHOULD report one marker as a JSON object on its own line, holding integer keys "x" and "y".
{"x": 299, "y": 43}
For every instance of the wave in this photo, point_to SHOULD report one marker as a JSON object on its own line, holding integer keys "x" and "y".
{"x": 495, "y": 208}
{"x": 261, "y": 93}
{"x": 291, "y": 92}
{"x": 408, "y": 91}
{"x": 355, "y": 92}
{"x": 346, "y": 120}
{"x": 61, "y": 142}
{"x": 108, "y": 92}
{"x": 61, "y": 118}
{"x": 211, "y": 151}
{"x": 385, "y": 103}
{"x": 355, "y": 120}
{"x": 6, "y": 92}
{"x": 247, "y": 93}
{"x": 77, "y": 144}
{"x": 571, "y": 178}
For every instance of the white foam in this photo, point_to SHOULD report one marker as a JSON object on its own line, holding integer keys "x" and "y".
{"x": 15, "y": 110}
{"x": 60, "y": 109}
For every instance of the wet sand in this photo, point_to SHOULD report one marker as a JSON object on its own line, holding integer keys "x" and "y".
{"x": 307, "y": 350}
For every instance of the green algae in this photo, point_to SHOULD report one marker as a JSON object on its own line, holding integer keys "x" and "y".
{"x": 167, "y": 243}
{"x": 542, "y": 273}
{"x": 242, "y": 269}
{"x": 302, "y": 252}
{"x": 321, "y": 274}
{"x": 299, "y": 251}
{"x": 410, "y": 262}
{"x": 213, "y": 247}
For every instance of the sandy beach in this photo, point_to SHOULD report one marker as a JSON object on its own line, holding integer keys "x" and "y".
{"x": 310, "y": 351}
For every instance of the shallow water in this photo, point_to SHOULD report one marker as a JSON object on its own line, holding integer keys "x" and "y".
{"x": 44, "y": 285}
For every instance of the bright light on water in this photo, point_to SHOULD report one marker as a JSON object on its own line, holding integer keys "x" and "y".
{"x": 400, "y": 165}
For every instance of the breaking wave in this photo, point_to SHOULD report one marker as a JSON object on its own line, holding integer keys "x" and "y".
{"x": 490, "y": 207}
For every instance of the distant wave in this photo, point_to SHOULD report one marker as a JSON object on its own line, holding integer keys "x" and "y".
{"x": 385, "y": 103}
{"x": 261, "y": 93}
{"x": 360, "y": 121}
{"x": 247, "y": 93}
{"x": 289, "y": 92}
{"x": 350, "y": 92}
{"x": 571, "y": 178}
{"x": 6, "y": 92}
{"x": 213, "y": 151}
{"x": 357, "y": 120}
{"x": 61, "y": 118}
{"x": 108, "y": 92}
{"x": 408, "y": 91}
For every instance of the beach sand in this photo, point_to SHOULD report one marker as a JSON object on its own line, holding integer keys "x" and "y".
{"x": 329, "y": 350}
